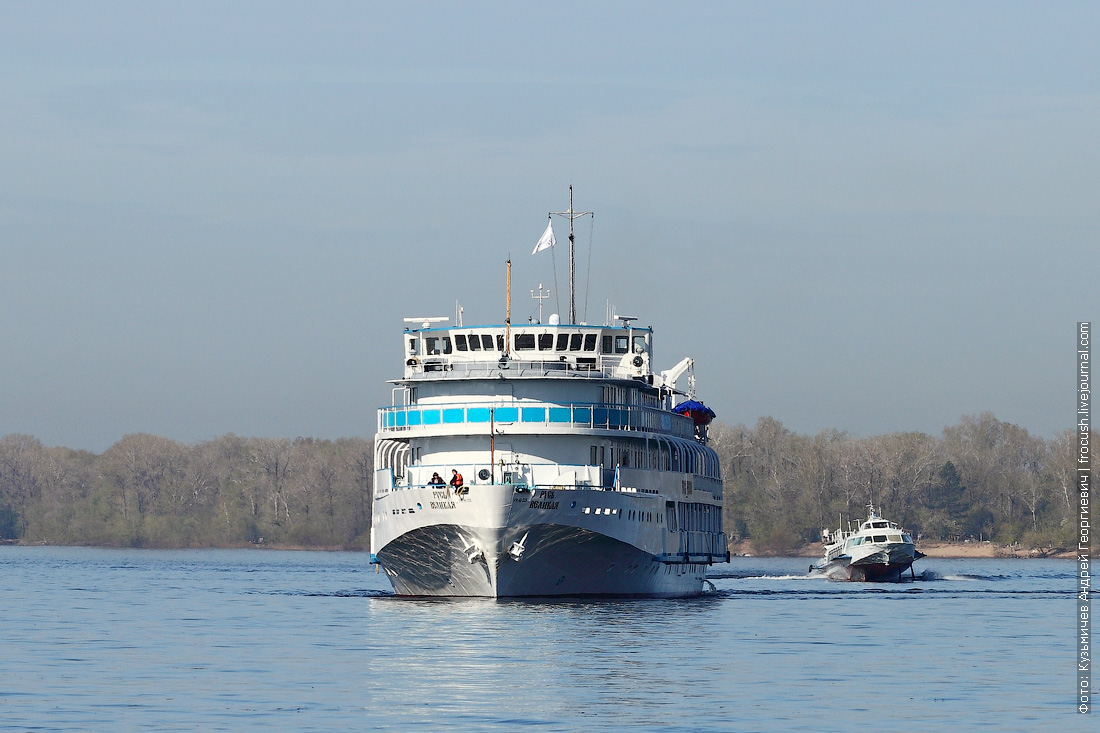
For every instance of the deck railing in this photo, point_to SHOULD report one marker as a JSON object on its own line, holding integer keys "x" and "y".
{"x": 599, "y": 416}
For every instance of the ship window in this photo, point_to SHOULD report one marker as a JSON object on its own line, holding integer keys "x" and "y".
{"x": 475, "y": 343}
{"x": 460, "y": 342}
{"x": 639, "y": 344}
{"x": 446, "y": 344}
{"x": 587, "y": 510}
{"x": 487, "y": 342}
{"x": 432, "y": 345}
{"x": 546, "y": 341}
{"x": 575, "y": 342}
{"x": 605, "y": 345}
{"x": 525, "y": 341}
{"x": 879, "y": 525}
{"x": 906, "y": 538}
{"x": 595, "y": 455}
{"x": 500, "y": 341}
{"x": 894, "y": 537}
{"x": 414, "y": 346}
{"x": 590, "y": 342}
{"x": 879, "y": 538}
{"x": 563, "y": 342}
{"x": 621, "y": 344}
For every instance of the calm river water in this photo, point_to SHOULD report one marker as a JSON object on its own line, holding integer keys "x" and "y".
{"x": 240, "y": 639}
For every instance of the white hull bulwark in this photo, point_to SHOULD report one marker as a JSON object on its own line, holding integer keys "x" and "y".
{"x": 504, "y": 541}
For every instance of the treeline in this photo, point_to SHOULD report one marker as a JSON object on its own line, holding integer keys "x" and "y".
{"x": 147, "y": 491}
{"x": 981, "y": 479}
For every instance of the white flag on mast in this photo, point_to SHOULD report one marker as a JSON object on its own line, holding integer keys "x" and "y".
{"x": 546, "y": 241}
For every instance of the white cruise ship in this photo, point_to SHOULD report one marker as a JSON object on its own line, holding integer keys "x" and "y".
{"x": 583, "y": 471}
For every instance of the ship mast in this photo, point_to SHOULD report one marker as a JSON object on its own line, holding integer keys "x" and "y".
{"x": 572, "y": 261}
{"x": 508, "y": 311}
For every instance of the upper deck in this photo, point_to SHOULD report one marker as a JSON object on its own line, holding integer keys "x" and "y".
{"x": 529, "y": 351}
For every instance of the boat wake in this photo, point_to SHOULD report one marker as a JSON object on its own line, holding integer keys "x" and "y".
{"x": 363, "y": 593}
{"x": 932, "y": 575}
{"x": 756, "y": 575}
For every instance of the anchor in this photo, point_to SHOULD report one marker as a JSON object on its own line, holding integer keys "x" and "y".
{"x": 516, "y": 550}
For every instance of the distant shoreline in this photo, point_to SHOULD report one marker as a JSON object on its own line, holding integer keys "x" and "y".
{"x": 956, "y": 550}
{"x": 952, "y": 550}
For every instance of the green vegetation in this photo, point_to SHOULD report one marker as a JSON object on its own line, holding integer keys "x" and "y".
{"x": 982, "y": 479}
{"x": 146, "y": 491}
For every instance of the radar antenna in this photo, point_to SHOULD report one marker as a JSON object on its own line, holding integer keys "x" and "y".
{"x": 426, "y": 322}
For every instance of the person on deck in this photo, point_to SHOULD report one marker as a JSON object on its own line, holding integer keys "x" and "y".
{"x": 456, "y": 483}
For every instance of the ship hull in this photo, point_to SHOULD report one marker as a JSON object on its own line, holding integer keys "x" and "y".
{"x": 556, "y": 560}
{"x": 885, "y": 565}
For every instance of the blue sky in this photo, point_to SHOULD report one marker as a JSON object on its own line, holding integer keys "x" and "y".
{"x": 865, "y": 216}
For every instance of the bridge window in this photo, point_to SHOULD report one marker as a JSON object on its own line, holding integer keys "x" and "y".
{"x": 525, "y": 341}
{"x": 475, "y": 343}
{"x": 575, "y": 342}
{"x": 605, "y": 345}
{"x": 414, "y": 346}
{"x": 622, "y": 344}
{"x": 500, "y": 341}
{"x": 546, "y": 341}
{"x": 446, "y": 344}
{"x": 590, "y": 342}
{"x": 460, "y": 342}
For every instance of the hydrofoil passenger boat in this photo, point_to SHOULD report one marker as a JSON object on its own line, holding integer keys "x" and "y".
{"x": 878, "y": 551}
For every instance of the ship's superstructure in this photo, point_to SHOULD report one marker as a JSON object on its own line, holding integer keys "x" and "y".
{"x": 580, "y": 472}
